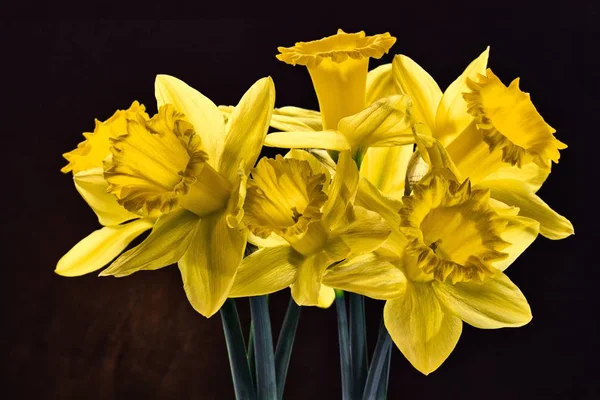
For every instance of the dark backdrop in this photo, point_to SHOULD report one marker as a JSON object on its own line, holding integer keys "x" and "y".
{"x": 137, "y": 337}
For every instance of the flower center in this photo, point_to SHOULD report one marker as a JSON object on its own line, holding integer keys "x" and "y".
{"x": 454, "y": 232}
{"x": 159, "y": 164}
{"x": 509, "y": 121}
{"x": 283, "y": 196}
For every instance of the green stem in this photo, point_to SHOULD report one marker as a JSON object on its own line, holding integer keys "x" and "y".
{"x": 378, "y": 373}
{"x": 236, "y": 350}
{"x": 285, "y": 342}
{"x": 358, "y": 341}
{"x": 251, "y": 353}
{"x": 385, "y": 375}
{"x": 345, "y": 366}
{"x": 266, "y": 385}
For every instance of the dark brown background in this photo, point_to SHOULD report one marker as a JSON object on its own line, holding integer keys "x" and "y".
{"x": 137, "y": 337}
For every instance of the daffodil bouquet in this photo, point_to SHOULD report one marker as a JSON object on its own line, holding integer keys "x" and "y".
{"x": 392, "y": 190}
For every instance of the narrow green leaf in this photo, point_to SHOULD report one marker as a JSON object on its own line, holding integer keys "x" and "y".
{"x": 250, "y": 355}
{"x": 342, "y": 318}
{"x": 378, "y": 371}
{"x": 266, "y": 386}
{"x": 236, "y": 350}
{"x": 285, "y": 342}
{"x": 358, "y": 341}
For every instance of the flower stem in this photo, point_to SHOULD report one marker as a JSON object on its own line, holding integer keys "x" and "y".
{"x": 283, "y": 351}
{"x": 250, "y": 355}
{"x": 236, "y": 350}
{"x": 358, "y": 341}
{"x": 379, "y": 370}
{"x": 266, "y": 385}
{"x": 342, "y": 318}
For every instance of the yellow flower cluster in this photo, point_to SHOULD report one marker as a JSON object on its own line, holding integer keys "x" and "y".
{"x": 393, "y": 189}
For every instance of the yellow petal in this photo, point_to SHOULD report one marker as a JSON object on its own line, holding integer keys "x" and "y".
{"x": 330, "y": 140}
{"x": 424, "y": 92}
{"x": 291, "y": 118}
{"x": 247, "y": 128}
{"x": 209, "y": 265}
{"x": 273, "y": 240}
{"x": 380, "y": 83}
{"x": 92, "y": 186}
{"x": 306, "y": 288}
{"x": 515, "y": 193}
{"x": 496, "y": 303}
{"x": 341, "y": 192}
{"x": 423, "y": 332}
{"x": 266, "y": 271}
{"x": 367, "y": 274}
{"x": 288, "y": 118}
{"x": 371, "y": 198}
{"x": 326, "y": 297}
{"x": 434, "y": 154}
{"x": 386, "y": 122}
{"x": 385, "y": 167}
{"x": 452, "y": 116}
{"x": 165, "y": 245}
{"x": 99, "y": 248}
{"x": 520, "y": 233}
{"x": 531, "y": 174}
{"x": 200, "y": 111}
{"x": 364, "y": 233}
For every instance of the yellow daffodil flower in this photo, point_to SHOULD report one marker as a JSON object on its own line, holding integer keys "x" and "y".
{"x": 120, "y": 226}
{"x": 452, "y": 245}
{"x": 338, "y": 66}
{"x": 316, "y": 225}
{"x": 492, "y": 133}
{"x": 187, "y": 168}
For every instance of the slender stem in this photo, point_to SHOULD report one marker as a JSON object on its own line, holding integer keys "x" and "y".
{"x": 378, "y": 366}
{"x": 251, "y": 353}
{"x": 285, "y": 342}
{"x": 236, "y": 350}
{"x": 266, "y": 385}
{"x": 358, "y": 341}
{"x": 345, "y": 365}
{"x": 385, "y": 375}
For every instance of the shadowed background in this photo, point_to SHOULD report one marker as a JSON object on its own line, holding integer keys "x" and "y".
{"x": 138, "y": 337}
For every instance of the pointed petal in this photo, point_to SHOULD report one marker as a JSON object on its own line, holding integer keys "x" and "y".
{"x": 288, "y": 118}
{"x": 209, "y": 265}
{"x": 436, "y": 156}
{"x": 531, "y": 174}
{"x": 367, "y": 274}
{"x": 380, "y": 83}
{"x": 420, "y": 328}
{"x": 326, "y": 297}
{"x": 364, "y": 233}
{"x": 520, "y": 233}
{"x": 199, "y": 109}
{"x": 424, "y": 92}
{"x": 247, "y": 128}
{"x": 306, "y": 289}
{"x": 99, "y": 248}
{"x": 165, "y": 245}
{"x": 515, "y": 193}
{"x": 386, "y": 122}
{"x": 385, "y": 167}
{"x": 330, "y": 140}
{"x": 266, "y": 271}
{"x": 371, "y": 198}
{"x": 341, "y": 192}
{"x": 291, "y": 118}
{"x": 495, "y": 303}
{"x": 92, "y": 186}
{"x": 452, "y": 117}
